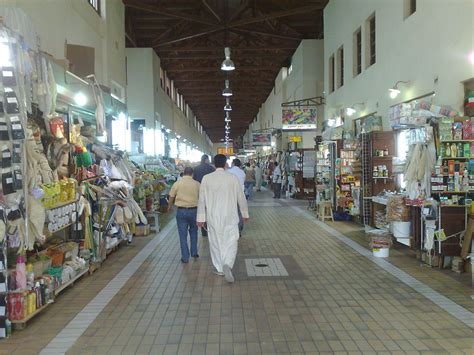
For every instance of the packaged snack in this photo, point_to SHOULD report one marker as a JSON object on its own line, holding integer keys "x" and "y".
{"x": 445, "y": 129}
{"x": 457, "y": 130}
{"x": 467, "y": 129}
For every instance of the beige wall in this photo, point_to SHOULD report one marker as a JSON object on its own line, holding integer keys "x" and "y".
{"x": 430, "y": 49}
{"x": 74, "y": 21}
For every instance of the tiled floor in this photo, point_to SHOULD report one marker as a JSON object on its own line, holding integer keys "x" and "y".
{"x": 341, "y": 301}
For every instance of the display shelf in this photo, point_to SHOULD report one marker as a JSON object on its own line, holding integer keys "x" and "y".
{"x": 70, "y": 282}
{"x": 457, "y": 158}
{"x": 452, "y": 192}
{"x": 50, "y": 234}
{"x": 20, "y": 324}
{"x": 384, "y": 157}
{"x": 62, "y": 204}
{"x": 380, "y": 200}
{"x": 465, "y": 206}
{"x": 457, "y": 141}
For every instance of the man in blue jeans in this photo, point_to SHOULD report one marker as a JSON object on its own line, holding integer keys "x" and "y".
{"x": 185, "y": 195}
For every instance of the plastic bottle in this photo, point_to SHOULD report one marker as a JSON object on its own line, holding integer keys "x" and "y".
{"x": 20, "y": 273}
{"x": 30, "y": 276}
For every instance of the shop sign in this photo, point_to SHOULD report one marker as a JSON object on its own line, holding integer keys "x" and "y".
{"x": 299, "y": 118}
{"x": 225, "y": 151}
{"x": 294, "y": 139}
{"x": 261, "y": 139}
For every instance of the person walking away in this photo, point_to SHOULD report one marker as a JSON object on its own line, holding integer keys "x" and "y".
{"x": 200, "y": 171}
{"x": 240, "y": 175}
{"x": 276, "y": 179}
{"x": 258, "y": 177}
{"x": 249, "y": 181}
{"x": 220, "y": 197}
{"x": 185, "y": 195}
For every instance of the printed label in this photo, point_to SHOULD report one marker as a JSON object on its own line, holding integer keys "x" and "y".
{"x": 3, "y": 128}
{"x": 6, "y": 155}
{"x": 12, "y": 100}
{"x": 7, "y": 73}
{"x": 16, "y": 126}
{"x": 9, "y": 181}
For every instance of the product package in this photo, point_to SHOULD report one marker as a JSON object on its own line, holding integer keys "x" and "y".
{"x": 8, "y": 183}
{"x": 16, "y": 128}
{"x": 8, "y": 77}
{"x": 16, "y": 153}
{"x": 467, "y": 128}
{"x": 6, "y": 157}
{"x": 11, "y": 100}
{"x": 3, "y": 130}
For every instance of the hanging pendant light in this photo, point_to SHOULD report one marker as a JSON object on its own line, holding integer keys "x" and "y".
{"x": 227, "y": 64}
{"x": 227, "y": 90}
{"x": 227, "y": 126}
{"x": 227, "y": 117}
{"x": 227, "y": 106}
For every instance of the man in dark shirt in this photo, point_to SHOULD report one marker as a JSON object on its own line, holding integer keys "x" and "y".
{"x": 203, "y": 169}
{"x": 199, "y": 171}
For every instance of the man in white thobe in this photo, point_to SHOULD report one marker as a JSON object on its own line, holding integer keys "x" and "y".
{"x": 220, "y": 196}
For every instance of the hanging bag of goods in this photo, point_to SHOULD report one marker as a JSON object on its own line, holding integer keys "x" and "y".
{"x": 397, "y": 210}
{"x": 379, "y": 239}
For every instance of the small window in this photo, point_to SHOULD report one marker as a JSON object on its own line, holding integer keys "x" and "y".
{"x": 340, "y": 65}
{"x": 168, "y": 86}
{"x": 357, "y": 52}
{"x": 162, "y": 78}
{"x": 409, "y": 8}
{"x": 371, "y": 48}
{"x": 331, "y": 73}
{"x": 96, "y": 5}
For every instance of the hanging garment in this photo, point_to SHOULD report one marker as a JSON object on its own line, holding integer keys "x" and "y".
{"x": 220, "y": 196}
{"x": 37, "y": 217}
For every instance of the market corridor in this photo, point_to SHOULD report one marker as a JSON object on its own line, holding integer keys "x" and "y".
{"x": 333, "y": 300}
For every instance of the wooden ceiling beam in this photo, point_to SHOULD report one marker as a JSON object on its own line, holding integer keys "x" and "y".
{"x": 162, "y": 10}
{"x": 129, "y": 32}
{"x": 268, "y": 47}
{"x": 211, "y": 10}
{"x": 190, "y": 35}
{"x": 211, "y": 69}
{"x": 267, "y": 34}
{"x": 277, "y": 14}
{"x": 171, "y": 29}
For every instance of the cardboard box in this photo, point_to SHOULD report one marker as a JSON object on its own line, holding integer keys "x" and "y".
{"x": 142, "y": 230}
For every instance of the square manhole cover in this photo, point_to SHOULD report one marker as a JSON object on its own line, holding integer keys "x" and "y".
{"x": 268, "y": 267}
{"x": 265, "y": 267}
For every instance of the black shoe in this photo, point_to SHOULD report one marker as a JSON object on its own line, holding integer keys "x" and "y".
{"x": 184, "y": 261}
{"x": 196, "y": 256}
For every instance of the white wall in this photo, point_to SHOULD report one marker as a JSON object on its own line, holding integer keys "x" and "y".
{"x": 306, "y": 80}
{"x": 148, "y": 101}
{"x": 432, "y": 43}
{"x": 75, "y": 22}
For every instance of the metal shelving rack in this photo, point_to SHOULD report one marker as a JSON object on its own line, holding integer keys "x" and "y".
{"x": 366, "y": 182}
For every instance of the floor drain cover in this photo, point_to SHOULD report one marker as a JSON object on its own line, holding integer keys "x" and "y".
{"x": 265, "y": 267}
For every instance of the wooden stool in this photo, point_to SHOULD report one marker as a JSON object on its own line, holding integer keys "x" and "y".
{"x": 325, "y": 211}
{"x": 156, "y": 220}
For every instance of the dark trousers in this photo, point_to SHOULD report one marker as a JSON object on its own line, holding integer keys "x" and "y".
{"x": 276, "y": 190}
{"x": 186, "y": 221}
